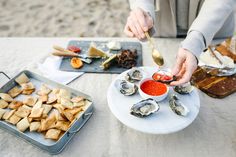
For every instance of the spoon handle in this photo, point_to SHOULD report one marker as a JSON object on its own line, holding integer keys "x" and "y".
{"x": 149, "y": 39}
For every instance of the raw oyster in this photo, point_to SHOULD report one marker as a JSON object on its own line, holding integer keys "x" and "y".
{"x": 177, "y": 106}
{"x": 163, "y": 76}
{"x": 184, "y": 89}
{"x": 144, "y": 108}
{"x": 125, "y": 87}
{"x": 133, "y": 75}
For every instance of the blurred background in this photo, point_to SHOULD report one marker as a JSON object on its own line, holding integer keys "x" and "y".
{"x": 63, "y": 18}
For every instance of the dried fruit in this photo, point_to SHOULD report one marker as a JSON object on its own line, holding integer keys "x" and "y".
{"x": 76, "y": 63}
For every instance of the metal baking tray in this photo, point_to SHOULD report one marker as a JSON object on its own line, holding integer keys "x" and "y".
{"x": 37, "y": 139}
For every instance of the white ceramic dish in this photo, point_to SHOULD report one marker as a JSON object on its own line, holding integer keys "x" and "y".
{"x": 163, "y": 122}
{"x": 146, "y": 96}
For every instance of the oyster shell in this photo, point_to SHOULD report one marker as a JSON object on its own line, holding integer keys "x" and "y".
{"x": 125, "y": 87}
{"x": 177, "y": 106}
{"x": 184, "y": 89}
{"x": 134, "y": 74}
{"x": 144, "y": 108}
{"x": 163, "y": 76}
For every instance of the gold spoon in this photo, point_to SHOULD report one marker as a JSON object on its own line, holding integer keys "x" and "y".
{"x": 156, "y": 56}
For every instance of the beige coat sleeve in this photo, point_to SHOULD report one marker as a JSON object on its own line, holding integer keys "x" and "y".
{"x": 214, "y": 23}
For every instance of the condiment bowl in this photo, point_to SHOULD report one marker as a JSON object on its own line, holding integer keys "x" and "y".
{"x": 148, "y": 88}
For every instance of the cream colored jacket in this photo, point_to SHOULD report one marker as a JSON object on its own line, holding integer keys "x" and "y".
{"x": 209, "y": 22}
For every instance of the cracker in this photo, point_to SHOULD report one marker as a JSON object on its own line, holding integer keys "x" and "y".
{"x": 53, "y": 134}
{"x": 55, "y": 91}
{"x": 28, "y": 92}
{"x": 45, "y": 125}
{"x": 23, "y": 111}
{"x": 2, "y": 111}
{"x": 73, "y": 111}
{"x": 68, "y": 115}
{"x": 77, "y": 99}
{"x": 34, "y": 126}
{"x": 36, "y": 112}
{"x": 14, "y": 119}
{"x": 30, "y": 101}
{"x": 22, "y": 79}
{"x": 63, "y": 93}
{"x": 59, "y": 116}
{"x": 47, "y": 109}
{"x": 38, "y": 104}
{"x": 3, "y": 103}
{"x": 59, "y": 107}
{"x": 23, "y": 124}
{"x": 8, "y": 114}
{"x": 44, "y": 90}
{"x": 27, "y": 86}
{"x": 6, "y": 97}
{"x": 79, "y": 104}
{"x": 62, "y": 125}
{"x": 66, "y": 103}
{"x": 15, "y": 104}
{"x": 52, "y": 98}
{"x": 14, "y": 92}
{"x": 43, "y": 98}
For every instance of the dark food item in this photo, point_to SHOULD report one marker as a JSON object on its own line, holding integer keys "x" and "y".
{"x": 214, "y": 86}
{"x": 127, "y": 58}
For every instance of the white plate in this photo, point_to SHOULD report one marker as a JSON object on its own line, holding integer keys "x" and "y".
{"x": 164, "y": 121}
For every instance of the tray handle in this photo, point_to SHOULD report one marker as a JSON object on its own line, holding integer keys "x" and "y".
{"x": 1, "y": 72}
{"x": 84, "y": 116}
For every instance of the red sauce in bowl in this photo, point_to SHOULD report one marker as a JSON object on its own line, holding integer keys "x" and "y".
{"x": 153, "y": 88}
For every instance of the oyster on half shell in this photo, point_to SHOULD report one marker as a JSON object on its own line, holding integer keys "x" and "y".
{"x": 177, "y": 106}
{"x": 144, "y": 108}
{"x": 163, "y": 76}
{"x": 125, "y": 87}
{"x": 184, "y": 89}
{"x": 134, "y": 74}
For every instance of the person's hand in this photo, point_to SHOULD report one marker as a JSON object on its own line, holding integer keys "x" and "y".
{"x": 137, "y": 23}
{"x": 186, "y": 64}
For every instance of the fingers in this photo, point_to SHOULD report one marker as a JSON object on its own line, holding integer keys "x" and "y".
{"x": 128, "y": 32}
{"x": 137, "y": 20}
{"x": 182, "y": 71}
{"x": 137, "y": 23}
{"x": 190, "y": 67}
{"x": 141, "y": 19}
{"x": 149, "y": 20}
{"x": 178, "y": 64}
{"x": 185, "y": 78}
{"x": 134, "y": 27}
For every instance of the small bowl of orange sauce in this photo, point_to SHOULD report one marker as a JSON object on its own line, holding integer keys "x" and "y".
{"x": 148, "y": 88}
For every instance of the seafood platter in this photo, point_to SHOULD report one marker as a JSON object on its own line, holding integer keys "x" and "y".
{"x": 43, "y": 112}
{"x": 99, "y": 56}
{"x": 142, "y": 99}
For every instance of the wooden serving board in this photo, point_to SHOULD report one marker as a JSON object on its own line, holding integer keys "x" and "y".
{"x": 214, "y": 86}
{"x": 94, "y": 67}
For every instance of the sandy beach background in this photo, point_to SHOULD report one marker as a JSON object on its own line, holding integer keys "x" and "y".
{"x": 63, "y": 18}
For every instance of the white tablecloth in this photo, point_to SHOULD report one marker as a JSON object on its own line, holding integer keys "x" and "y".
{"x": 212, "y": 134}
